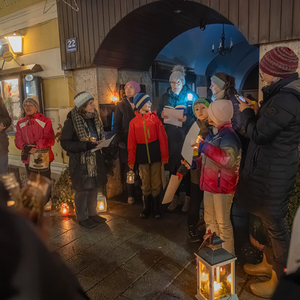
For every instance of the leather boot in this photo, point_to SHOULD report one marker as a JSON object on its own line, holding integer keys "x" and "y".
{"x": 156, "y": 207}
{"x": 146, "y": 208}
{"x": 262, "y": 269}
{"x": 265, "y": 289}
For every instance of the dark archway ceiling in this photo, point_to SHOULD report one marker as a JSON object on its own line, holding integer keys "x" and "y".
{"x": 138, "y": 38}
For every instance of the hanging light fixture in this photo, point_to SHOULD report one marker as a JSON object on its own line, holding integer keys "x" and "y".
{"x": 222, "y": 50}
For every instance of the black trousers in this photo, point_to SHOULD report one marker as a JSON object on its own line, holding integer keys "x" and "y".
{"x": 278, "y": 240}
{"x": 195, "y": 202}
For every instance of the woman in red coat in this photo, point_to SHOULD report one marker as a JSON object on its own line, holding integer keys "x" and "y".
{"x": 34, "y": 132}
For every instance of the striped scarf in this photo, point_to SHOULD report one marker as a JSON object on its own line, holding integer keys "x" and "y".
{"x": 83, "y": 133}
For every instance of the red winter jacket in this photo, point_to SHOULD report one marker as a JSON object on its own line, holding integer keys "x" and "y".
{"x": 36, "y": 129}
{"x": 220, "y": 161}
{"x": 156, "y": 139}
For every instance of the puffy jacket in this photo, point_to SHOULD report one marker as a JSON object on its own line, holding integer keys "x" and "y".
{"x": 36, "y": 129}
{"x": 176, "y": 135}
{"x": 220, "y": 161}
{"x": 123, "y": 115}
{"x": 271, "y": 163}
{"x": 147, "y": 139}
{"x": 78, "y": 171}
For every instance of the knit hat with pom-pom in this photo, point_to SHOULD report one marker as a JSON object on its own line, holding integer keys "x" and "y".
{"x": 178, "y": 73}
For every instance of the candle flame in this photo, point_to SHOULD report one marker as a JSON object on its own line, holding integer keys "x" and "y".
{"x": 217, "y": 286}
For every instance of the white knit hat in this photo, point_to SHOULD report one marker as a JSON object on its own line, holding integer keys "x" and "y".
{"x": 220, "y": 111}
{"x": 82, "y": 98}
{"x": 178, "y": 73}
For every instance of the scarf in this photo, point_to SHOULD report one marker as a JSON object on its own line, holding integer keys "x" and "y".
{"x": 218, "y": 96}
{"x": 83, "y": 133}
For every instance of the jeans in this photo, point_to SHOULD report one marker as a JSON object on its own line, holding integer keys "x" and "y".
{"x": 85, "y": 204}
{"x": 217, "y": 217}
{"x": 3, "y": 163}
{"x": 151, "y": 178}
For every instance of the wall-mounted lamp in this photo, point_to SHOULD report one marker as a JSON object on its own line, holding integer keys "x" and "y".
{"x": 15, "y": 42}
{"x": 114, "y": 97}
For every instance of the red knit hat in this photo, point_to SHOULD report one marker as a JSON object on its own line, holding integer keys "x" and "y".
{"x": 279, "y": 62}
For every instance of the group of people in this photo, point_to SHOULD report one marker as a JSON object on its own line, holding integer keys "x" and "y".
{"x": 244, "y": 149}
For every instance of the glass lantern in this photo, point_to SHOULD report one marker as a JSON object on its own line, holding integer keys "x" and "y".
{"x": 215, "y": 272}
{"x": 65, "y": 209}
{"x": 130, "y": 177}
{"x": 101, "y": 203}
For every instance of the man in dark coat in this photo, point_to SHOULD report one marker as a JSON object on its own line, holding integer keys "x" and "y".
{"x": 124, "y": 113}
{"x": 268, "y": 175}
{"x": 178, "y": 94}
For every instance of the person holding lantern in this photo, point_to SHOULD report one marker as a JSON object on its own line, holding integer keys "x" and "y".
{"x": 178, "y": 94}
{"x": 269, "y": 171}
{"x": 148, "y": 145}
{"x": 219, "y": 163}
{"x": 82, "y": 133}
{"x": 124, "y": 113}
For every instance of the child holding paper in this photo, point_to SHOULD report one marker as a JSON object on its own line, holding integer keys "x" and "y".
{"x": 148, "y": 145}
{"x": 219, "y": 160}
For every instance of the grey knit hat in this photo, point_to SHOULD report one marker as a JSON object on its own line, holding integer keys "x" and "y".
{"x": 82, "y": 98}
{"x": 33, "y": 101}
{"x": 178, "y": 73}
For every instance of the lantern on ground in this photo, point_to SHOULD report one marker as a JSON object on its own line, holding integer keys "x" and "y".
{"x": 215, "y": 272}
{"x": 65, "y": 209}
{"x": 101, "y": 203}
{"x": 130, "y": 177}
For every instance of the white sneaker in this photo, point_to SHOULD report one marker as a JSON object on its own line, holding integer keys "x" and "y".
{"x": 186, "y": 205}
{"x": 173, "y": 204}
{"x": 130, "y": 200}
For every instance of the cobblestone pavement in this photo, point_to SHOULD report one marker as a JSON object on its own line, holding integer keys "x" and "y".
{"x": 129, "y": 258}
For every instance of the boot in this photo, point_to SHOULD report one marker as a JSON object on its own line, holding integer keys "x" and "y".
{"x": 147, "y": 207}
{"x": 173, "y": 204}
{"x": 186, "y": 205}
{"x": 262, "y": 269}
{"x": 156, "y": 208}
{"x": 265, "y": 289}
{"x": 194, "y": 234}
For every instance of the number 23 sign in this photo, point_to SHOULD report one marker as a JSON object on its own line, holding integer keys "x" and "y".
{"x": 71, "y": 45}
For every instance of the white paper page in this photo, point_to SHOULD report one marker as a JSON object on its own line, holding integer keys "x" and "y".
{"x": 171, "y": 189}
{"x": 174, "y": 115}
{"x": 103, "y": 144}
{"x": 190, "y": 139}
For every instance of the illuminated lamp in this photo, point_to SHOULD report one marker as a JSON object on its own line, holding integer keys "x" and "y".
{"x": 190, "y": 96}
{"x": 65, "y": 209}
{"x": 114, "y": 97}
{"x": 15, "y": 42}
{"x": 101, "y": 203}
{"x": 215, "y": 272}
{"x": 130, "y": 177}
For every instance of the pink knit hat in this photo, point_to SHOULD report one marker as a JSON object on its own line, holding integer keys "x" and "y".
{"x": 220, "y": 111}
{"x": 279, "y": 62}
{"x": 135, "y": 85}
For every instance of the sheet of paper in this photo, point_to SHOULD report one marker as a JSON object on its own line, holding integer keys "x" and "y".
{"x": 174, "y": 115}
{"x": 104, "y": 144}
{"x": 190, "y": 139}
{"x": 171, "y": 189}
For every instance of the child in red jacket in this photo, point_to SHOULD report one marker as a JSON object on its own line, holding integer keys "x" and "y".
{"x": 148, "y": 145}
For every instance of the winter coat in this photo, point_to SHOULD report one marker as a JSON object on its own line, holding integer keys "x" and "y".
{"x": 220, "y": 161}
{"x": 236, "y": 120}
{"x": 176, "y": 135}
{"x": 78, "y": 171}
{"x": 123, "y": 115}
{"x": 271, "y": 163}
{"x": 6, "y": 120}
{"x": 150, "y": 148}
{"x": 36, "y": 129}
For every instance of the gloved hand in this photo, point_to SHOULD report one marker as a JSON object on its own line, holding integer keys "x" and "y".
{"x": 27, "y": 148}
{"x": 90, "y": 145}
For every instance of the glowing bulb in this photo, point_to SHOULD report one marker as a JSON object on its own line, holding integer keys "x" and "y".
{"x": 190, "y": 96}
{"x": 101, "y": 207}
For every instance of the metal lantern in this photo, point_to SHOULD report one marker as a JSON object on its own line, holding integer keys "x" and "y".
{"x": 101, "y": 203}
{"x": 130, "y": 177}
{"x": 215, "y": 272}
{"x": 65, "y": 209}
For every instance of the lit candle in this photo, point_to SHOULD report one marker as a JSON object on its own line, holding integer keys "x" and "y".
{"x": 204, "y": 277}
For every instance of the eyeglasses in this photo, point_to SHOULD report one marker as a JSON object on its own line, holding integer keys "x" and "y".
{"x": 176, "y": 82}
